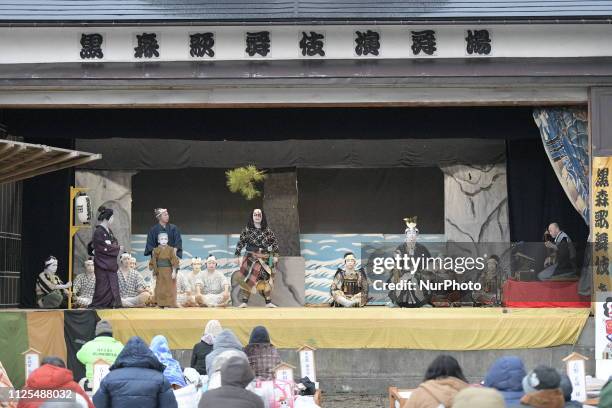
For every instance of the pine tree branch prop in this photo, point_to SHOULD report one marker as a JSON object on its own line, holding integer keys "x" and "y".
{"x": 242, "y": 180}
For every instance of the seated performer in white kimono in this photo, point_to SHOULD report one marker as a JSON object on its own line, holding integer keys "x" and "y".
{"x": 350, "y": 286}
{"x": 132, "y": 287}
{"x": 215, "y": 286}
{"x": 189, "y": 286}
{"x": 84, "y": 286}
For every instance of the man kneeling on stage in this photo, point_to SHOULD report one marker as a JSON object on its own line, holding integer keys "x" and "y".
{"x": 562, "y": 254}
{"x": 132, "y": 287}
{"x": 350, "y": 286}
{"x": 84, "y": 285}
{"x": 215, "y": 286}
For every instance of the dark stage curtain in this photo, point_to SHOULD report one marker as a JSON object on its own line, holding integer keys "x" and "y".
{"x": 45, "y": 222}
{"x": 536, "y": 198}
{"x": 79, "y": 328}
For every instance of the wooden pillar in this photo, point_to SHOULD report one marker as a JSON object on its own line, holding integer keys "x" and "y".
{"x": 281, "y": 207}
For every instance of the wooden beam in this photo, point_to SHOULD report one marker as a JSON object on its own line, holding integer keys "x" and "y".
{"x": 44, "y": 163}
{"x": 30, "y": 158}
{"x": 17, "y": 148}
{"x": 48, "y": 169}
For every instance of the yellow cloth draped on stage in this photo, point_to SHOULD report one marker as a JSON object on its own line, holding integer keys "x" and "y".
{"x": 373, "y": 327}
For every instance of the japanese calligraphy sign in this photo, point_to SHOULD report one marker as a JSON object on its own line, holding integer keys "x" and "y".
{"x": 31, "y": 360}
{"x": 600, "y": 222}
{"x": 307, "y": 362}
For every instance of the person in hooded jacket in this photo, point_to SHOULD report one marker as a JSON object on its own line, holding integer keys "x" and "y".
{"x": 226, "y": 345}
{"x": 567, "y": 388}
{"x": 52, "y": 375}
{"x": 136, "y": 379}
{"x": 541, "y": 386}
{"x": 506, "y": 376}
{"x": 236, "y": 374}
{"x": 263, "y": 356}
{"x": 173, "y": 371}
{"x": 205, "y": 346}
{"x": 443, "y": 380}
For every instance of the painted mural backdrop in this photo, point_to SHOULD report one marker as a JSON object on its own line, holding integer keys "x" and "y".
{"x": 324, "y": 253}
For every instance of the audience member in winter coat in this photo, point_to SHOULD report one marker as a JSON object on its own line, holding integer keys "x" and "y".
{"x": 226, "y": 346}
{"x": 136, "y": 379}
{"x": 506, "y": 376}
{"x": 235, "y": 376}
{"x": 443, "y": 380}
{"x": 263, "y": 356}
{"x": 104, "y": 346}
{"x": 52, "y": 375}
{"x": 541, "y": 386}
{"x": 205, "y": 346}
{"x": 605, "y": 398}
{"x": 173, "y": 371}
{"x": 478, "y": 397}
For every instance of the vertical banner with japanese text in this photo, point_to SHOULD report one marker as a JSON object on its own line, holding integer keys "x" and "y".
{"x": 600, "y": 233}
{"x": 600, "y": 222}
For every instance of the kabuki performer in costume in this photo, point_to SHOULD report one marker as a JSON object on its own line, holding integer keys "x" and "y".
{"x": 189, "y": 286}
{"x": 256, "y": 272}
{"x": 106, "y": 249}
{"x": 350, "y": 286}
{"x": 84, "y": 285}
{"x": 406, "y": 297}
{"x": 133, "y": 289}
{"x": 164, "y": 264}
{"x": 51, "y": 292}
{"x": 215, "y": 286}
{"x": 171, "y": 230}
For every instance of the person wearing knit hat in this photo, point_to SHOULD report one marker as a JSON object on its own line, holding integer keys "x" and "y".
{"x": 103, "y": 347}
{"x": 541, "y": 386}
{"x": 205, "y": 346}
{"x": 478, "y": 397}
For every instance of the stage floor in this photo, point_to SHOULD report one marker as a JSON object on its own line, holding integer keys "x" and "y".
{"x": 371, "y": 327}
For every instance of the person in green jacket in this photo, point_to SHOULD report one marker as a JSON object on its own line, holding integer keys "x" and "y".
{"x": 103, "y": 347}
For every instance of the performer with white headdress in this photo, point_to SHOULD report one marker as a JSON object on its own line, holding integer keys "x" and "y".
{"x": 215, "y": 286}
{"x": 133, "y": 289}
{"x": 51, "y": 292}
{"x": 349, "y": 287}
{"x": 189, "y": 285}
{"x": 171, "y": 230}
{"x": 410, "y": 247}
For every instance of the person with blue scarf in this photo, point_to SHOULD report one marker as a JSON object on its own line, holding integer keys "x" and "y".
{"x": 172, "y": 372}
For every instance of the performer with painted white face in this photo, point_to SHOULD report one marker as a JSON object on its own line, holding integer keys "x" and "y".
{"x": 411, "y": 248}
{"x": 163, "y": 225}
{"x": 350, "y": 285}
{"x": 215, "y": 286}
{"x": 133, "y": 289}
{"x": 257, "y": 269}
{"x": 51, "y": 292}
{"x": 164, "y": 263}
{"x": 106, "y": 250}
{"x": 84, "y": 285}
